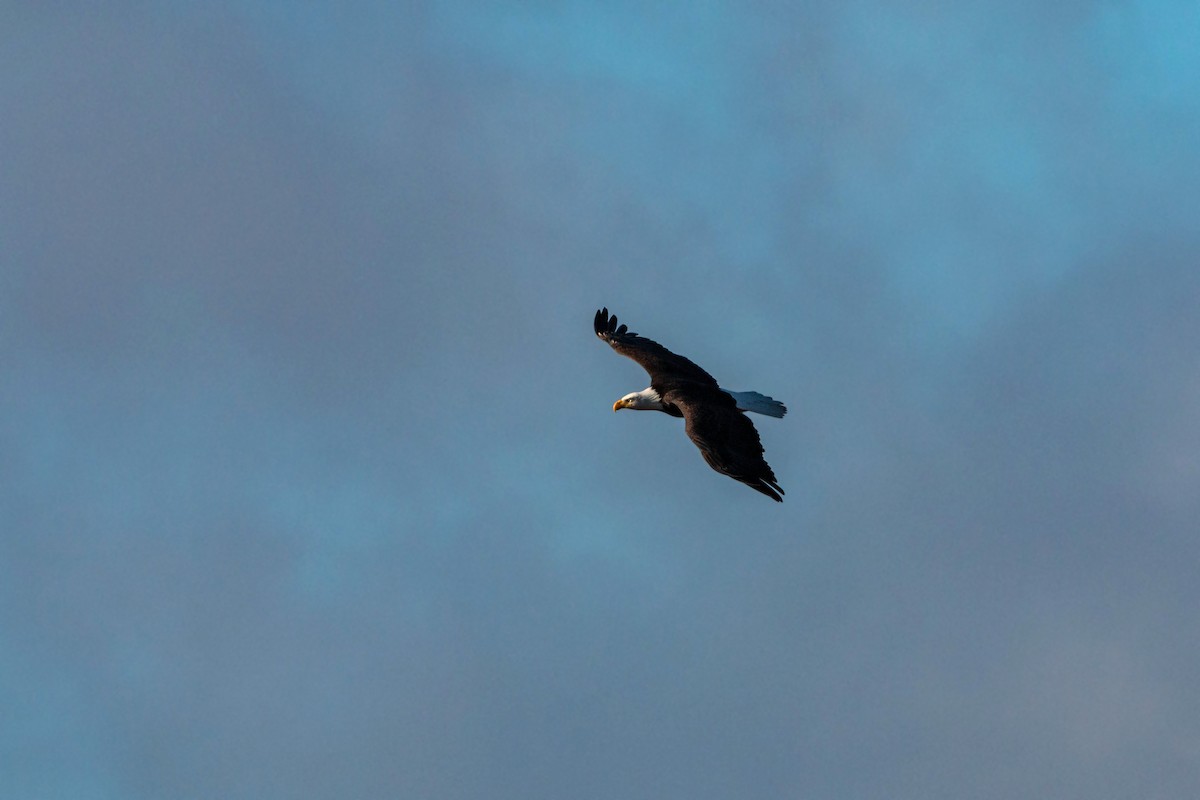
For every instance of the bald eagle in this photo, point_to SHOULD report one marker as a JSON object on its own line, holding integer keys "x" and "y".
{"x": 713, "y": 416}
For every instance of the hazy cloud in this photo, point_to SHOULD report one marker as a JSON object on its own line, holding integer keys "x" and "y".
{"x": 310, "y": 484}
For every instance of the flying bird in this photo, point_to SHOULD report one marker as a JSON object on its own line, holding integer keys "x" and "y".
{"x": 714, "y": 418}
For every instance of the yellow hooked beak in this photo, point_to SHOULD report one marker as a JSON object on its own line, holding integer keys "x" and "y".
{"x": 617, "y": 406}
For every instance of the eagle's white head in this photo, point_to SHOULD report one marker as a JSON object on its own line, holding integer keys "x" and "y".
{"x": 645, "y": 400}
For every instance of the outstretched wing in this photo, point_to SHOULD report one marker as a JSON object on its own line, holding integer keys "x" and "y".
{"x": 665, "y": 367}
{"x": 726, "y": 437}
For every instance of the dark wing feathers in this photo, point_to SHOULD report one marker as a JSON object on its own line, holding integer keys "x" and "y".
{"x": 726, "y": 437}
{"x": 665, "y": 367}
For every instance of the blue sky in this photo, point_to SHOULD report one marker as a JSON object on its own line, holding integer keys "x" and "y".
{"x": 309, "y": 485}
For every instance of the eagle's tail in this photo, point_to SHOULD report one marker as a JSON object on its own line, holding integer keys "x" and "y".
{"x": 758, "y": 403}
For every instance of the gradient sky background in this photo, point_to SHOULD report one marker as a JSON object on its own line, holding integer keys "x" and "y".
{"x": 309, "y": 486}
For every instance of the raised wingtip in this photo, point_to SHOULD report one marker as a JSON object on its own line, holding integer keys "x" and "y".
{"x": 606, "y": 324}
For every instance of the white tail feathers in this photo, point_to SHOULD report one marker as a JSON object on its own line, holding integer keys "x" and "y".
{"x": 758, "y": 403}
